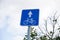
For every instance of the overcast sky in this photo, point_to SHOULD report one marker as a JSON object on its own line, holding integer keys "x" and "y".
{"x": 10, "y": 15}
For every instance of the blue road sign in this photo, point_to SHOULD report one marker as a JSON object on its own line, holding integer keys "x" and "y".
{"x": 30, "y": 17}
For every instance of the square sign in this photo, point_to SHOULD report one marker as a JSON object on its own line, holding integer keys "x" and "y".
{"x": 30, "y": 17}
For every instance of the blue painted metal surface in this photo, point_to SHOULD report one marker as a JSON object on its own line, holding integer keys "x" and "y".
{"x": 30, "y": 17}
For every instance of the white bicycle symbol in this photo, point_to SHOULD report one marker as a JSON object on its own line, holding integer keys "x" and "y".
{"x": 29, "y": 21}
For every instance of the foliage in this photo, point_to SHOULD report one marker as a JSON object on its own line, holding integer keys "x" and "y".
{"x": 33, "y": 34}
{"x": 49, "y": 35}
{"x": 43, "y": 38}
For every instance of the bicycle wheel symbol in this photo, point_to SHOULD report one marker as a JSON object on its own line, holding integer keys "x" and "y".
{"x": 29, "y": 21}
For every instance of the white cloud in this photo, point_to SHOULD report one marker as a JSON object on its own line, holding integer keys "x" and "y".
{"x": 13, "y": 8}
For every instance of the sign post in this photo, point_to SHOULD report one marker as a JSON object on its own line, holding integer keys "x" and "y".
{"x": 30, "y": 17}
{"x": 29, "y": 29}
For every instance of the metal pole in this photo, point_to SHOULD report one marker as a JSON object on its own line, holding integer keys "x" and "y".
{"x": 29, "y": 29}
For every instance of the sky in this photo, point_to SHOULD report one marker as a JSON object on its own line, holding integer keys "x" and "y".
{"x": 10, "y": 16}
